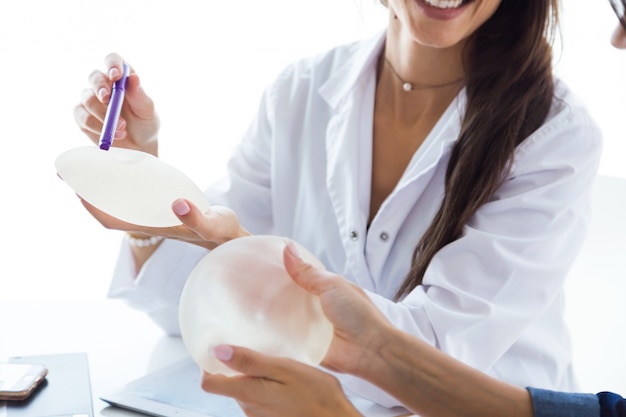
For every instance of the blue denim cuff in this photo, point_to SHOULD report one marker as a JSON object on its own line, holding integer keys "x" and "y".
{"x": 563, "y": 404}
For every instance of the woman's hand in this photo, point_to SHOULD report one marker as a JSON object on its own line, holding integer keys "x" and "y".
{"x": 138, "y": 126}
{"x": 361, "y": 331}
{"x": 272, "y": 386}
{"x": 276, "y": 387}
{"x": 209, "y": 230}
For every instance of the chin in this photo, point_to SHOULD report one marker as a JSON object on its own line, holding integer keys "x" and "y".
{"x": 619, "y": 38}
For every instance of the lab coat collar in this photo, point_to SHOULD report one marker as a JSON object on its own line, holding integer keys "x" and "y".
{"x": 351, "y": 74}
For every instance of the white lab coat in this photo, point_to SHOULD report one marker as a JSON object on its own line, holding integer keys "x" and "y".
{"x": 492, "y": 299}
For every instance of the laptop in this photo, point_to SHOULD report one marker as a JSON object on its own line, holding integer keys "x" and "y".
{"x": 65, "y": 392}
{"x": 173, "y": 391}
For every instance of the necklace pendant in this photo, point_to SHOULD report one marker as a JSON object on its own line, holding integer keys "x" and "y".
{"x": 407, "y": 87}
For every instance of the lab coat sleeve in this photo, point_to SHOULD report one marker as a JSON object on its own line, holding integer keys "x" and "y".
{"x": 246, "y": 188}
{"x": 481, "y": 292}
{"x": 157, "y": 287}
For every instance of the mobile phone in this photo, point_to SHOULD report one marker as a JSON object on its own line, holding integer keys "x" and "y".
{"x": 19, "y": 380}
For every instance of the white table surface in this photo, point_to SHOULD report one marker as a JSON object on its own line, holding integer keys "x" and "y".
{"x": 121, "y": 344}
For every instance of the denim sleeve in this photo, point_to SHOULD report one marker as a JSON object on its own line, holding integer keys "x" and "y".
{"x": 563, "y": 404}
{"x": 612, "y": 405}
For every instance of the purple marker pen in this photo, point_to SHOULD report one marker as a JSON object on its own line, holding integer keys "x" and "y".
{"x": 114, "y": 109}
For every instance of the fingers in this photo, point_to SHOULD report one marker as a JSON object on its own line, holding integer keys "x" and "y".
{"x": 140, "y": 104}
{"x": 218, "y": 225}
{"x": 256, "y": 369}
{"x": 299, "y": 271}
{"x": 106, "y": 220}
{"x": 114, "y": 63}
{"x": 197, "y": 222}
{"x": 89, "y": 114}
{"x": 277, "y": 387}
{"x": 100, "y": 85}
{"x": 250, "y": 362}
{"x": 221, "y": 385}
{"x": 314, "y": 280}
{"x": 189, "y": 214}
{"x": 138, "y": 124}
{"x": 93, "y": 107}
{"x": 87, "y": 123}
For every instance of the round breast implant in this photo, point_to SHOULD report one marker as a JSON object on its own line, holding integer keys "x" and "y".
{"x": 130, "y": 185}
{"x": 241, "y": 294}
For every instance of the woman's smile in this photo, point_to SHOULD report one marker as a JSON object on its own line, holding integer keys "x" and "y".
{"x": 445, "y": 4}
{"x": 442, "y": 9}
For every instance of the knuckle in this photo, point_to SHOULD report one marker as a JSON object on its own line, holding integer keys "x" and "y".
{"x": 87, "y": 97}
{"x": 249, "y": 410}
{"x": 243, "y": 362}
{"x": 207, "y": 384}
{"x": 85, "y": 120}
{"x": 96, "y": 78}
{"x": 307, "y": 270}
{"x": 112, "y": 57}
{"x": 81, "y": 116}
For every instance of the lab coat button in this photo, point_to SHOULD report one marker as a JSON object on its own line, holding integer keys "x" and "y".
{"x": 354, "y": 235}
{"x": 384, "y": 236}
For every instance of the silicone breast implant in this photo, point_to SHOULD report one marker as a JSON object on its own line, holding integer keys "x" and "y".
{"x": 240, "y": 294}
{"x": 130, "y": 185}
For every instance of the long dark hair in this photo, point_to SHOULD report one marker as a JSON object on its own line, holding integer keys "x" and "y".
{"x": 510, "y": 88}
{"x": 619, "y": 6}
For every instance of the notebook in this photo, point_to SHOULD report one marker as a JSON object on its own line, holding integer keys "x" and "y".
{"x": 65, "y": 392}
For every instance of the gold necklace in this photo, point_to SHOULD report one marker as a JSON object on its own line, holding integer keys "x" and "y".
{"x": 407, "y": 86}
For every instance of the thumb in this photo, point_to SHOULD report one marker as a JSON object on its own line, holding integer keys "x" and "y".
{"x": 304, "y": 274}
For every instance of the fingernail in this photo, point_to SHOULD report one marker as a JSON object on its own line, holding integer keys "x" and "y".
{"x": 119, "y": 134}
{"x": 121, "y": 124}
{"x": 293, "y": 250}
{"x": 103, "y": 93}
{"x": 181, "y": 207}
{"x": 223, "y": 352}
{"x": 113, "y": 72}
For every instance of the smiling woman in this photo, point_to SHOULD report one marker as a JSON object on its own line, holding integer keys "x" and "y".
{"x": 447, "y": 202}
{"x": 206, "y": 64}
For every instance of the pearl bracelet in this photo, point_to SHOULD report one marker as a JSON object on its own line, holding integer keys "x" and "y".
{"x": 143, "y": 242}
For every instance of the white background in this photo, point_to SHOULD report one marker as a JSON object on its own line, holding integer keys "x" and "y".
{"x": 205, "y": 63}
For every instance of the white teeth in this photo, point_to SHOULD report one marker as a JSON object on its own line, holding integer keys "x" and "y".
{"x": 444, "y": 4}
